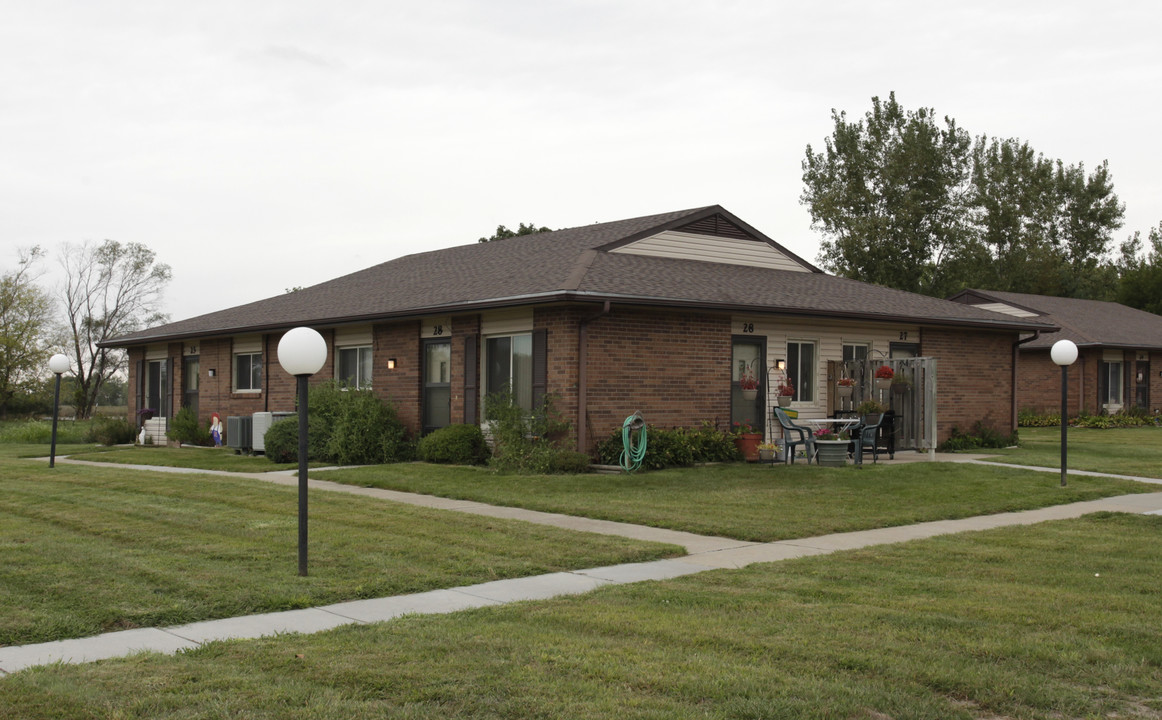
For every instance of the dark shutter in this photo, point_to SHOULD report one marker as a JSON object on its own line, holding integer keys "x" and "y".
{"x": 471, "y": 366}
{"x": 169, "y": 374}
{"x": 540, "y": 367}
{"x": 140, "y": 385}
{"x": 1103, "y": 384}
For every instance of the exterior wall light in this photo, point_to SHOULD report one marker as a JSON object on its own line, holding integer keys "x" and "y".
{"x": 302, "y": 352}
{"x": 391, "y": 363}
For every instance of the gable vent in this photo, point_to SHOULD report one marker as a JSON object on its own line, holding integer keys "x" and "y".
{"x": 716, "y": 225}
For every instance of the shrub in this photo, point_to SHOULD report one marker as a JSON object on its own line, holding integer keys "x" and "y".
{"x": 982, "y": 436}
{"x": 345, "y": 426}
{"x": 282, "y": 440}
{"x": 455, "y": 445}
{"x": 185, "y": 429}
{"x": 524, "y": 443}
{"x": 1038, "y": 418}
{"x": 110, "y": 431}
{"x": 676, "y": 447}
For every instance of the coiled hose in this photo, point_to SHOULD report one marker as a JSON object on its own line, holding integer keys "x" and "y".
{"x": 633, "y": 452}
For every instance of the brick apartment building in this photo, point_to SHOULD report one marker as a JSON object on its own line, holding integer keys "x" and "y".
{"x": 1119, "y": 358}
{"x": 658, "y": 314}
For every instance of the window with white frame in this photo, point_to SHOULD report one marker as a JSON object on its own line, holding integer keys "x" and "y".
{"x": 854, "y": 351}
{"x": 354, "y": 367}
{"x": 1111, "y": 379}
{"x": 801, "y": 362}
{"x": 508, "y": 364}
{"x": 248, "y": 372}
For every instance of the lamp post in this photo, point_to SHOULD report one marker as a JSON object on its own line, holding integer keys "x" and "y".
{"x": 58, "y": 364}
{"x": 1064, "y": 353}
{"x": 302, "y": 352}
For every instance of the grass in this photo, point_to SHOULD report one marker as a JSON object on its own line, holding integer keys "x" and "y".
{"x": 89, "y": 549}
{"x": 1049, "y": 621}
{"x": 189, "y": 457}
{"x": 758, "y": 503}
{"x": 1121, "y": 451}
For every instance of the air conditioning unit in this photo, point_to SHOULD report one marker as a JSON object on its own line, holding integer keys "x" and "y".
{"x": 262, "y": 423}
{"x": 239, "y": 433}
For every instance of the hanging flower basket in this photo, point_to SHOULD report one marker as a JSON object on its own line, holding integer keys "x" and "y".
{"x": 749, "y": 395}
{"x": 884, "y": 375}
{"x": 844, "y": 391}
{"x": 749, "y": 384}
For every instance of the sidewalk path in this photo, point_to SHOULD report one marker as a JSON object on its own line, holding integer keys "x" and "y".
{"x": 705, "y": 553}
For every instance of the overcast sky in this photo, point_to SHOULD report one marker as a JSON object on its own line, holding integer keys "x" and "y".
{"x": 258, "y": 146}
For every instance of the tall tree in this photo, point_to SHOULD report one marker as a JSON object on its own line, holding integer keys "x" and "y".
{"x": 887, "y": 194}
{"x": 502, "y": 232}
{"x": 1140, "y": 284}
{"x": 26, "y": 314}
{"x": 110, "y": 289}
{"x": 904, "y": 203}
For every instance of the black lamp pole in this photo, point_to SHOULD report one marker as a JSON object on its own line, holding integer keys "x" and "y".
{"x": 1064, "y": 417}
{"x": 56, "y": 410}
{"x": 303, "y": 393}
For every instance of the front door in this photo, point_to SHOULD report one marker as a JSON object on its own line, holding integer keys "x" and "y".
{"x": 190, "y": 383}
{"x": 1142, "y": 384}
{"x": 747, "y": 382}
{"x": 437, "y": 410}
{"x": 157, "y": 387}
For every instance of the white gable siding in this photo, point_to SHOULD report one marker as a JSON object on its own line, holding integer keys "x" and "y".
{"x": 711, "y": 248}
{"x": 1006, "y": 309}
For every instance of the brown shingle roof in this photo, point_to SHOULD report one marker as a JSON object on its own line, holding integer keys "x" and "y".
{"x": 573, "y": 264}
{"x": 1089, "y": 323}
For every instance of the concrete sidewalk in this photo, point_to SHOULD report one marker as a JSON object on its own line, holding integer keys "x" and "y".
{"x": 705, "y": 553}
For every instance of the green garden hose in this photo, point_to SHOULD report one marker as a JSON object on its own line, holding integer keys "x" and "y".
{"x": 633, "y": 452}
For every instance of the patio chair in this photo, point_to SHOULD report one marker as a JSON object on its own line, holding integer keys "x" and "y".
{"x": 866, "y": 437}
{"x": 806, "y": 437}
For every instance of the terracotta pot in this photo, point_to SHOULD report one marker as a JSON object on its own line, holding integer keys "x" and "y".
{"x": 748, "y": 445}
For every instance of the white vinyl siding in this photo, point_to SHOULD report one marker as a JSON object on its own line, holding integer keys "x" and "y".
{"x": 1006, "y": 309}
{"x": 711, "y": 248}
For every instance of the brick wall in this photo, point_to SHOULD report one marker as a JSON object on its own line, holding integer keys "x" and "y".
{"x": 973, "y": 379}
{"x": 463, "y": 328}
{"x": 1039, "y": 381}
{"x": 673, "y": 367}
{"x": 400, "y": 386}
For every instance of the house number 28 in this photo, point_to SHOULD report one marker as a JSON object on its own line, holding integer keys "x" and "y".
{"x": 748, "y": 327}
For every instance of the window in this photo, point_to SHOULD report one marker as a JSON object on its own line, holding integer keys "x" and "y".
{"x": 248, "y": 372}
{"x": 508, "y": 364}
{"x": 801, "y": 369}
{"x": 1111, "y": 381}
{"x": 355, "y": 367}
{"x": 437, "y": 384}
{"x": 853, "y": 351}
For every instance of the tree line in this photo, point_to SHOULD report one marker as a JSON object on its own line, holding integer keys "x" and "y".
{"x": 905, "y": 200}
{"x": 108, "y": 289}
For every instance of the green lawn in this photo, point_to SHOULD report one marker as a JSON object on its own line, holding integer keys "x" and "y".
{"x": 190, "y": 457}
{"x": 1057, "y": 620}
{"x": 752, "y": 502}
{"x": 1122, "y": 451}
{"x": 87, "y": 549}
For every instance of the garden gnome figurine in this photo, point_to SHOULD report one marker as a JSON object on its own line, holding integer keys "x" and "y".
{"x": 216, "y": 429}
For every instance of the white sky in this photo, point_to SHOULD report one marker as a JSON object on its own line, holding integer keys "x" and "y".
{"x": 257, "y": 146}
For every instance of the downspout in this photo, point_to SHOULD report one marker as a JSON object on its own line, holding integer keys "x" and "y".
{"x": 1013, "y": 379}
{"x": 583, "y": 378}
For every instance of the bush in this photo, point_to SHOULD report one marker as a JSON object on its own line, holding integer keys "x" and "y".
{"x": 110, "y": 431}
{"x": 454, "y": 445}
{"x": 523, "y": 442}
{"x": 185, "y": 429}
{"x": 982, "y": 436}
{"x": 348, "y": 427}
{"x": 675, "y": 447}
{"x": 1038, "y": 418}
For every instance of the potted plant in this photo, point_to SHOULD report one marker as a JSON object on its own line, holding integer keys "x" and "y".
{"x": 747, "y": 439}
{"x": 870, "y": 407}
{"x": 749, "y": 384}
{"x": 901, "y": 383}
{"x": 768, "y": 452}
{"x": 844, "y": 387}
{"x": 786, "y": 391}
{"x": 884, "y": 375}
{"x": 831, "y": 448}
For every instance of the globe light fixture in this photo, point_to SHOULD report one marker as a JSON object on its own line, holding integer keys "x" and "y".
{"x": 58, "y": 364}
{"x": 1064, "y": 353}
{"x": 302, "y": 353}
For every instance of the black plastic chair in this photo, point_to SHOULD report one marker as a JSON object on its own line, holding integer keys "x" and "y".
{"x": 806, "y": 437}
{"x": 866, "y": 437}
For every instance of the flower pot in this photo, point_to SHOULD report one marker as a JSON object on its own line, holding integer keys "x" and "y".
{"x": 883, "y": 383}
{"x": 766, "y": 455}
{"x": 784, "y": 400}
{"x": 750, "y": 395}
{"x": 831, "y": 453}
{"x": 844, "y": 391}
{"x": 900, "y": 388}
{"x": 748, "y": 445}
